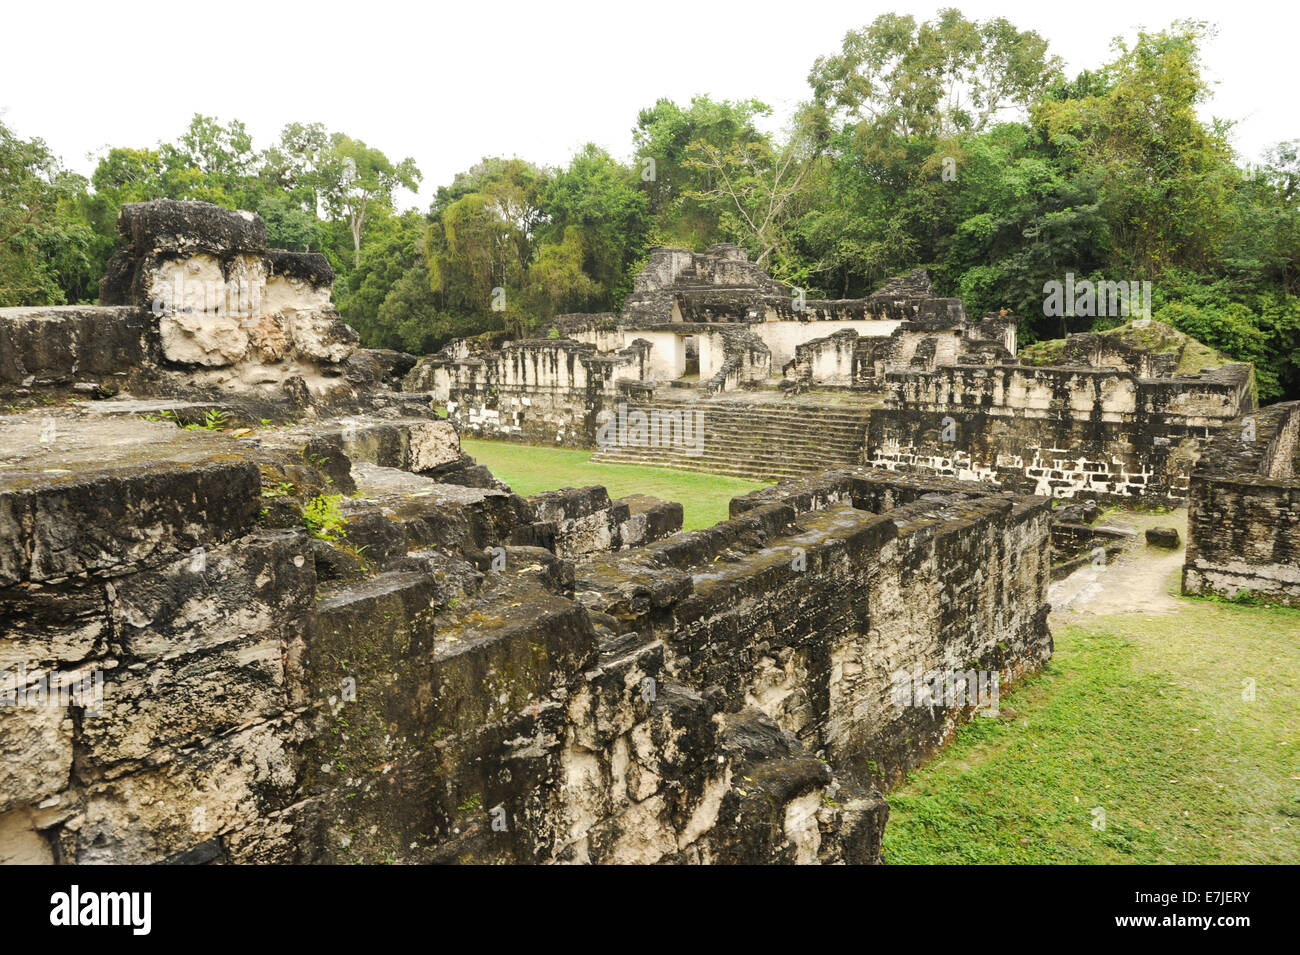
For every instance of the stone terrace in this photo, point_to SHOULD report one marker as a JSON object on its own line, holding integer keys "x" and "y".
{"x": 300, "y": 625}
{"x": 1243, "y": 522}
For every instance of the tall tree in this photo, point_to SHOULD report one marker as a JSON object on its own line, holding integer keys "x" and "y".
{"x": 933, "y": 79}
{"x": 664, "y": 136}
{"x": 595, "y": 205}
{"x": 754, "y": 183}
{"x": 361, "y": 183}
{"x": 46, "y": 247}
{"x": 1167, "y": 178}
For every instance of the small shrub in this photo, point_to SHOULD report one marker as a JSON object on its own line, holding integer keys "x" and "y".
{"x": 214, "y": 420}
{"x": 323, "y": 519}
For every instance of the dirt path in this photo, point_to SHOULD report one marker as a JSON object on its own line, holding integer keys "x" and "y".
{"x": 1138, "y": 580}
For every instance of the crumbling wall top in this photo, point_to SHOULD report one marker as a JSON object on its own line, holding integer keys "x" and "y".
{"x": 170, "y": 225}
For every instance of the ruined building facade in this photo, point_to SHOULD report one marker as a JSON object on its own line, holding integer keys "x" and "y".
{"x": 257, "y": 605}
{"x": 1243, "y": 520}
{"x": 902, "y": 379}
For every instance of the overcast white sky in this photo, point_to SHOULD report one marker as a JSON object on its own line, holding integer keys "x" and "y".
{"x": 449, "y": 84}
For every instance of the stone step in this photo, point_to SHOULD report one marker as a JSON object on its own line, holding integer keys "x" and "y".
{"x": 762, "y": 447}
{"x": 768, "y": 421}
{"x": 791, "y": 416}
{"x": 803, "y": 439}
{"x": 764, "y": 408}
{"x": 803, "y": 445}
{"x": 752, "y": 472}
{"x": 754, "y": 440}
{"x": 772, "y": 423}
{"x": 485, "y": 655}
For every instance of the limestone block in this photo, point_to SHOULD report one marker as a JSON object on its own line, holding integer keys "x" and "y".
{"x": 168, "y": 225}
{"x": 151, "y": 708}
{"x": 51, "y": 625}
{"x": 208, "y": 598}
{"x": 149, "y": 815}
{"x": 35, "y": 744}
{"x": 1166, "y": 537}
{"x": 20, "y": 842}
{"x": 318, "y": 334}
{"x": 433, "y": 444}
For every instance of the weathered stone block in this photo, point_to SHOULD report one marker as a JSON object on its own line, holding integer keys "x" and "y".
{"x": 1166, "y": 537}
{"x": 35, "y": 741}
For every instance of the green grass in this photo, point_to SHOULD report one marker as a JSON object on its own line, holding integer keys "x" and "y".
{"x": 1144, "y": 716}
{"x": 527, "y": 469}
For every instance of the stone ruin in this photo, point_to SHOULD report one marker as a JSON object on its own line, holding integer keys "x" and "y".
{"x": 901, "y": 380}
{"x": 1243, "y": 519}
{"x": 257, "y": 605}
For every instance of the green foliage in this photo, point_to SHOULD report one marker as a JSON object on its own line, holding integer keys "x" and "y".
{"x": 598, "y": 219}
{"x": 667, "y": 135}
{"x": 48, "y": 251}
{"x": 1166, "y": 178}
{"x": 323, "y": 518}
{"x": 930, "y": 80}
{"x": 472, "y": 804}
{"x": 1244, "y": 321}
{"x": 951, "y": 144}
{"x": 358, "y": 182}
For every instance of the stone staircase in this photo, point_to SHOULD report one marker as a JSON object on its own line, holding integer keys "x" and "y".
{"x": 751, "y": 437}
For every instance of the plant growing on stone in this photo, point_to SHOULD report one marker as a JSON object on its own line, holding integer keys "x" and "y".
{"x": 214, "y": 420}
{"x": 279, "y": 489}
{"x": 323, "y": 519}
{"x": 470, "y": 804}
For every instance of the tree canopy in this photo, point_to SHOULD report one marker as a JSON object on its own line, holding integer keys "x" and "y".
{"x": 951, "y": 144}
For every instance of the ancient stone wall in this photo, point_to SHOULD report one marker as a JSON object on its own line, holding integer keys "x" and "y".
{"x": 264, "y": 609}
{"x": 544, "y": 391}
{"x": 195, "y": 303}
{"x": 847, "y": 359}
{"x": 415, "y": 688}
{"x": 1243, "y": 520}
{"x": 1056, "y": 431}
{"x": 811, "y": 601}
{"x": 720, "y": 285}
{"x": 424, "y": 683}
{"x": 222, "y": 299}
{"x": 86, "y": 349}
{"x": 576, "y": 521}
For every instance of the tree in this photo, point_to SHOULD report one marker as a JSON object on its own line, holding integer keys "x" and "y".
{"x": 931, "y": 80}
{"x": 1167, "y": 179}
{"x": 211, "y": 163}
{"x": 395, "y": 247}
{"x": 755, "y": 182}
{"x": 361, "y": 182}
{"x": 664, "y": 135}
{"x": 1265, "y": 242}
{"x": 47, "y": 248}
{"x": 557, "y": 282}
{"x": 301, "y": 164}
{"x": 595, "y": 207}
{"x": 482, "y": 237}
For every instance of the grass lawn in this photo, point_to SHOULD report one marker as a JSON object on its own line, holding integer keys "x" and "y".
{"x": 1144, "y": 716}
{"x": 527, "y": 469}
